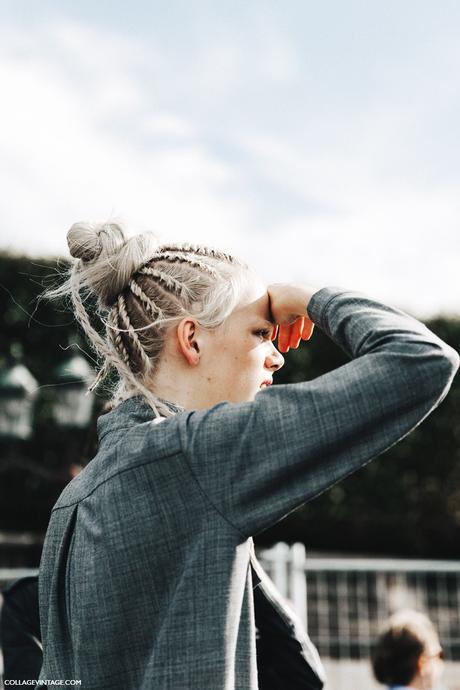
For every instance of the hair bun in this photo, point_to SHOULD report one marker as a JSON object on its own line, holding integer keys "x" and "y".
{"x": 109, "y": 258}
{"x": 86, "y": 241}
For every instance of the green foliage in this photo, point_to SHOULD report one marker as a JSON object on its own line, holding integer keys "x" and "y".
{"x": 405, "y": 502}
{"x": 40, "y": 335}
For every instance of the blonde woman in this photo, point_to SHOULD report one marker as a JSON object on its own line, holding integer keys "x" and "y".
{"x": 148, "y": 578}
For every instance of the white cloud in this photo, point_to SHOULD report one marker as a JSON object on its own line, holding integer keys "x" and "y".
{"x": 169, "y": 125}
{"x": 60, "y": 163}
{"x": 97, "y": 123}
{"x": 377, "y": 231}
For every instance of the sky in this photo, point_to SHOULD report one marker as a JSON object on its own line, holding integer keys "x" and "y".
{"x": 320, "y": 142}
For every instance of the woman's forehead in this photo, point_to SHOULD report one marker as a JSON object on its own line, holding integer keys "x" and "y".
{"x": 255, "y": 301}
{"x": 255, "y": 287}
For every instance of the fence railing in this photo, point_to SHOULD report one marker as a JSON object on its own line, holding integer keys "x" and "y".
{"x": 8, "y": 575}
{"x": 344, "y": 601}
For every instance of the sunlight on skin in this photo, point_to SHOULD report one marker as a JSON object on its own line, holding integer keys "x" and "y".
{"x": 290, "y": 335}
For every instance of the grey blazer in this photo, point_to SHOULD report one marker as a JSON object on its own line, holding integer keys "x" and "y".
{"x": 148, "y": 574}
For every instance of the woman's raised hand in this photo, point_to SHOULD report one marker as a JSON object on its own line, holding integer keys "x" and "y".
{"x": 288, "y": 305}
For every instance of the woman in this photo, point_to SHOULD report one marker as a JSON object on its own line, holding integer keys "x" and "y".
{"x": 408, "y": 654}
{"x": 148, "y": 577}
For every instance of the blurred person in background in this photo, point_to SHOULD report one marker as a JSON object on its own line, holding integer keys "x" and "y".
{"x": 20, "y": 637}
{"x": 408, "y": 653}
{"x": 148, "y": 576}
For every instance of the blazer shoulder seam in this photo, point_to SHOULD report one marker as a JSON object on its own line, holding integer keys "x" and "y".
{"x": 116, "y": 474}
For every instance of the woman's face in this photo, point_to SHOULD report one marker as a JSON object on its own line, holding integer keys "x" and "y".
{"x": 239, "y": 358}
{"x": 431, "y": 664}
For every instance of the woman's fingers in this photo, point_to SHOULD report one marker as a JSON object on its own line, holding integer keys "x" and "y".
{"x": 284, "y": 334}
{"x": 296, "y": 332}
{"x": 307, "y": 329}
{"x": 290, "y": 335}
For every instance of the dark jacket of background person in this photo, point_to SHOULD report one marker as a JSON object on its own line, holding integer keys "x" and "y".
{"x": 148, "y": 567}
{"x": 20, "y": 631}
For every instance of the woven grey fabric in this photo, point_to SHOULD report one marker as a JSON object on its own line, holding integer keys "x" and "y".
{"x": 148, "y": 568}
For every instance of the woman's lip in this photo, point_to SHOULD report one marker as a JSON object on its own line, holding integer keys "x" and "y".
{"x": 266, "y": 383}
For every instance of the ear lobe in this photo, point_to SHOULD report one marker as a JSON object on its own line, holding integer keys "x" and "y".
{"x": 187, "y": 342}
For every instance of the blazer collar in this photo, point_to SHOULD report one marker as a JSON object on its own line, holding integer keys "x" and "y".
{"x": 131, "y": 411}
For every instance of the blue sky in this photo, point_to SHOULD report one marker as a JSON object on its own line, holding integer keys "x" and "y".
{"x": 319, "y": 141}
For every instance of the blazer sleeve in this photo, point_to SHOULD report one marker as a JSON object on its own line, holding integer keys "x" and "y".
{"x": 258, "y": 461}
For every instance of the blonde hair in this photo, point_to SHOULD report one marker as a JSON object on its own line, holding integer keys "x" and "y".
{"x": 138, "y": 289}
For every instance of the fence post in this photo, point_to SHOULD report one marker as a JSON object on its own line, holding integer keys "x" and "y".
{"x": 280, "y": 567}
{"x": 299, "y": 581}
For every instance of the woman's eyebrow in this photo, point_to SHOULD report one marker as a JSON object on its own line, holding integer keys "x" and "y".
{"x": 269, "y": 316}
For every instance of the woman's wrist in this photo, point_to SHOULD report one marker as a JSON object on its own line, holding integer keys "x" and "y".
{"x": 289, "y": 301}
{"x": 302, "y": 297}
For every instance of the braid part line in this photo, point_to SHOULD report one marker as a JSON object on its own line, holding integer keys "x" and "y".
{"x": 168, "y": 281}
{"x": 174, "y": 256}
{"x": 145, "y": 299}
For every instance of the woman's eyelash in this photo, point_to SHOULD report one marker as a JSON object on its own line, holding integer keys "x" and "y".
{"x": 263, "y": 332}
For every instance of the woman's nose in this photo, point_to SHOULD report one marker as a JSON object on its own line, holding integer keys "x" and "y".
{"x": 275, "y": 359}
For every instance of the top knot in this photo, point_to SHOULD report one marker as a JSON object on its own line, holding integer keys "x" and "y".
{"x": 108, "y": 257}
{"x": 86, "y": 240}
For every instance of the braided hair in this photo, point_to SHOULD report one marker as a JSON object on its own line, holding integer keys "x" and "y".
{"x": 140, "y": 289}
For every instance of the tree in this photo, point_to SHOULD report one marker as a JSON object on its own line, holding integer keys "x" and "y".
{"x": 405, "y": 502}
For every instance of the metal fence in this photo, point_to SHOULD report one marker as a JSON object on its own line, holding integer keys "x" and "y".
{"x": 8, "y": 575}
{"x": 344, "y": 601}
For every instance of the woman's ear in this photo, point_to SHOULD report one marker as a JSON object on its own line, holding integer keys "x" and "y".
{"x": 421, "y": 666}
{"x": 187, "y": 341}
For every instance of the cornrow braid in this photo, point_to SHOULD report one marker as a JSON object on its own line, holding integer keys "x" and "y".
{"x": 99, "y": 344}
{"x": 114, "y": 335}
{"x": 110, "y": 349}
{"x": 102, "y": 373}
{"x": 168, "y": 281}
{"x": 126, "y": 321}
{"x": 200, "y": 250}
{"x": 122, "y": 359}
{"x": 145, "y": 299}
{"x": 173, "y": 256}
{"x": 82, "y": 316}
{"x": 140, "y": 286}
